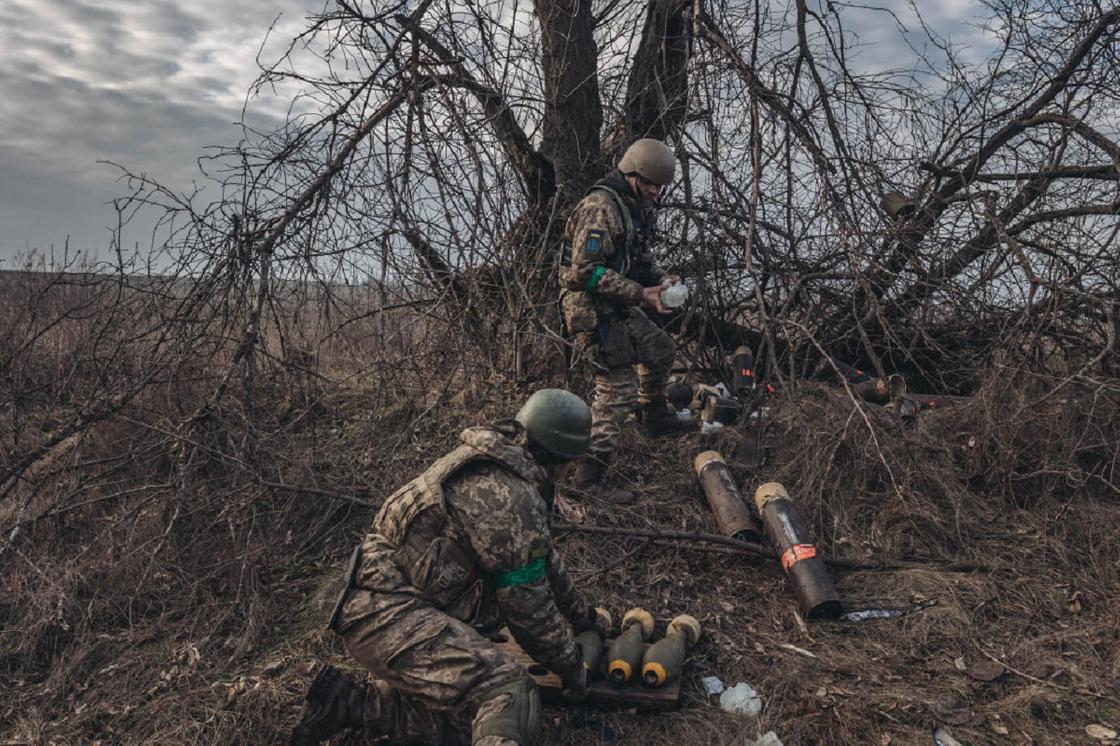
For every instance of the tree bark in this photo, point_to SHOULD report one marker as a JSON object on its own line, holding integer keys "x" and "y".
{"x": 657, "y": 90}
{"x": 573, "y": 116}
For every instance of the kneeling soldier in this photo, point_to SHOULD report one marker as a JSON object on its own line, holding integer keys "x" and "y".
{"x": 451, "y": 557}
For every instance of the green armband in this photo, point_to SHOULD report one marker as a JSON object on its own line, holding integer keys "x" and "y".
{"x": 531, "y": 573}
{"x": 595, "y": 277}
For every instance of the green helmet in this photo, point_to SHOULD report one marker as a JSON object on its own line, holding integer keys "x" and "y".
{"x": 558, "y": 421}
{"x": 651, "y": 159}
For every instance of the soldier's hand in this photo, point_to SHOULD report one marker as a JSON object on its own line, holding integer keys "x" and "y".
{"x": 652, "y": 297}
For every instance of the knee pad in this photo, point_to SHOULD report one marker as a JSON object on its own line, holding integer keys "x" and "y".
{"x": 510, "y": 711}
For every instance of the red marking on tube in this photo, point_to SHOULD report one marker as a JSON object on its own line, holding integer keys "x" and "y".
{"x": 796, "y": 553}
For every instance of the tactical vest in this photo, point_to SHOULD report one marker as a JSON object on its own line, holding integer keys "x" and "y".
{"x": 431, "y": 550}
{"x": 635, "y": 238}
{"x": 621, "y": 260}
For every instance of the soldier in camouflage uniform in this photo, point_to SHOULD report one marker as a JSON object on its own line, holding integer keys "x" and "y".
{"x": 451, "y": 557}
{"x": 608, "y": 275}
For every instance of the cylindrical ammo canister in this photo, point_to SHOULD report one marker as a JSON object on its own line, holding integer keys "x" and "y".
{"x": 665, "y": 658}
{"x": 742, "y": 371}
{"x": 624, "y": 657}
{"x": 732, "y": 513}
{"x": 806, "y": 571}
{"x": 881, "y": 390}
{"x": 590, "y": 646}
{"x": 721, "y": 410}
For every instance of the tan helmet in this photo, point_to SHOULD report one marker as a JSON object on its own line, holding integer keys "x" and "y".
{"x": 651, "y": 159}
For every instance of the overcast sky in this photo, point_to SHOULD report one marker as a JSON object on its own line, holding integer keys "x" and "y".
{"x": 149, "y": 83}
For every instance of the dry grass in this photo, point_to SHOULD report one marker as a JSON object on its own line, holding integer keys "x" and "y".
{"x": 151, "y": 600}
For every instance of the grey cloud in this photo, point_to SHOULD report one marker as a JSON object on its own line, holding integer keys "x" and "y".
{"x": 886, "y": 32}
{"x": 148, "y": 85}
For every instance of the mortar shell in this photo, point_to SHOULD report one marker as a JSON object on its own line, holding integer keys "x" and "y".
{"x": 625, "y": 655}
{"x": 732, "y": 514}
{"x": 742, "y": 371}
{"x": 876, "y": 390}
{"x": 807, "y": 572}
{"x": 590, "y": 646}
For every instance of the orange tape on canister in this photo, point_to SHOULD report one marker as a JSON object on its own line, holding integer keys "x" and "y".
{"x": 796, "y": 553}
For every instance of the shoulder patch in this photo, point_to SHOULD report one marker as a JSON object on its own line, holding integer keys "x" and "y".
{"x": 594, "y": 241}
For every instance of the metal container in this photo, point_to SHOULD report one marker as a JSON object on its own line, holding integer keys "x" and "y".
{"x": 742, "y": 371}
{"x": 732, "y": 513}
{"x": 806, "y": 571}
{"x": 664, "y": 659}
{"x": 590, "y": 646}
{"x": 721, "y": 410}
{"x": 881, "y": 390}
{"x": 624, "y": 657}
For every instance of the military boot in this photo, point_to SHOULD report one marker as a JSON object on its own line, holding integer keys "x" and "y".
{"x": 658, "y": 420}
{"x": 334, "y": 703}
{"x": 590, "y": 477}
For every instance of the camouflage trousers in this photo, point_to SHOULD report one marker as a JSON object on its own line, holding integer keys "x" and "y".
{"x": 631, "y": 366}
{"x": 437, "y": 679}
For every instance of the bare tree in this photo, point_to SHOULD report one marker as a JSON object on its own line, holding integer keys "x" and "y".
{"x": 391, "y": 250}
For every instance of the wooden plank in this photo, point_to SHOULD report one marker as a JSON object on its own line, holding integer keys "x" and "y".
{"x": 601, "y": 693}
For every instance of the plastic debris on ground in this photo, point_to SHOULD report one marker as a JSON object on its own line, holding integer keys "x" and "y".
{"x": 741, "y": 699}
{"x": 941, "y": 737}
{"x": 712, "y": 685}
{"x": 769, "y": 738}
{"x": 707, "y": 428}
{"x": 864, "y": 615}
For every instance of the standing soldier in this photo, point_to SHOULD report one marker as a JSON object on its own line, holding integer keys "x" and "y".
{"x": 452, "y": 556}
{"x": 609, "y": 274}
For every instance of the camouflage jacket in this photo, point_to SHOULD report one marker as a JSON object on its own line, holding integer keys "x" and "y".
{"x": 472, "y": 536}
{"x": 608, "y": 260}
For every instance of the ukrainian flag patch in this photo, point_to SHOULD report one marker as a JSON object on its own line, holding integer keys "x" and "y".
{"x": 594, "y": 241}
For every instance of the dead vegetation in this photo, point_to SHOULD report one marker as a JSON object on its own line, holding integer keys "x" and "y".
{"x": 191, "y": 440}
{"x": 145, "y": 599}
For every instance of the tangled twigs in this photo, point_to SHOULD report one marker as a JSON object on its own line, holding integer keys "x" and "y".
{"x": 750, "y": 547}
{"x": 1043, "y": 682}
{"x": 746, "y": 547}
{"x": 329, "y": 494}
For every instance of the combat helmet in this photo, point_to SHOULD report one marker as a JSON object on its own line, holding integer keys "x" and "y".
{"x": 651, "y": 159}
{"x": 557, "y": 421}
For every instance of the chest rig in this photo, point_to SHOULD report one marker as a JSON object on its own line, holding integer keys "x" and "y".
{"x": 636, "y": 234}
